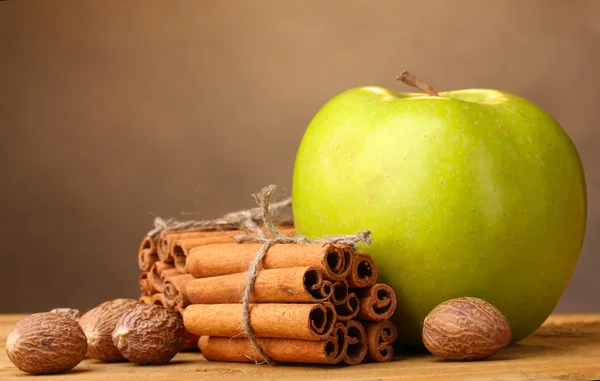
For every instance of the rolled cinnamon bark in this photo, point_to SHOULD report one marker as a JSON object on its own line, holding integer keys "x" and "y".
{"x": 157, "y": 273}
{"x": 357, "y": 343}
{"x": 340, "y": 292}
{"x": 364, "y": 271}
{"x": 340, "y": 335}
{"x": 289, "y": 285}
{"x": 349, "y": 309}
{"x": 381, "y": 335}
{"x": 145, "y": 299}
{"x": 377, "y": 302}
{"x": 162, "y": 246}
{"x": 145, "y": 285}
{"x": 159, "y": 300}
{"x": 286, "y": 321}
{"x": 147, "y": 254}
{"x": 333, "y": 260}
{"x": 167, "y": 240}
{"x": 175, "y": 286}
{"x": 328, "y": 351}
{"x": 180, "y": 248}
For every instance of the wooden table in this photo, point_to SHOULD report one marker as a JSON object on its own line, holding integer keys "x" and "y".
{"x": 566, "y": 347}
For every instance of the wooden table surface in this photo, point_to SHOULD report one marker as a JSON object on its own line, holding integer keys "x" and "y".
{"x": 566, "y": 347}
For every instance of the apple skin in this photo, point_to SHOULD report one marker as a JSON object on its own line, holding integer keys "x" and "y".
{"x": 472, "y": 193}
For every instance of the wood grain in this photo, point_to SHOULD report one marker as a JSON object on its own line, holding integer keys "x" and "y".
{"x": 565, "y": 347}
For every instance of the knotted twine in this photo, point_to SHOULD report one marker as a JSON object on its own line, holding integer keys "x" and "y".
{"x": 251, "y": 220}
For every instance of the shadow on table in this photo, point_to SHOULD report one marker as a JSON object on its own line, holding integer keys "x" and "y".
{"x": 177, "y": 361}
{"x": 513, "y": 351}
{"x": 73, "y": 372}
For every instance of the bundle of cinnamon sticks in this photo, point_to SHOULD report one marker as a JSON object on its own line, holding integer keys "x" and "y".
{"x": 311, "y": 303}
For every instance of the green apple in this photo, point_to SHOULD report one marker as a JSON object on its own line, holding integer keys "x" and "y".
{"x": 469, "y": 193}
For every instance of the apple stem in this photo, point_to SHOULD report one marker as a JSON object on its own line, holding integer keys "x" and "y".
{"x": 408, "y": 78}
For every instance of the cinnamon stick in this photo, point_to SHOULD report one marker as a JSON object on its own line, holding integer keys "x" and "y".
{"x": 147, "y": 254}
{"x": 145, "y": 285}
{"x": 381, "y": 336}
{"x": 333, "y": 260}
{"x": 328, "y": 351}
{"x": 166, "y": 239}
{"x": 357, "y": 343}
{"x": 159, "y": 300}
{"x": 157, "y": 273}
{"x": 349, "y": 309}
{"x": 377, "y": 302}
{"x": 288, "y": 321}
{"x": 146, "y": 299}
{"x": 287, "y": 285}
{"x": 180, "y": 248}
{"x": 175, "y": 286}
{"x": 346, "y": 304}
{"x": 364, "y": 271}
{"x": 340, "y": 335}
{"x": 163, "y": 246}
{"x": 340, "y": 292}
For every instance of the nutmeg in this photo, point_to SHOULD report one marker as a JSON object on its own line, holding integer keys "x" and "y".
{"x": 72, "y": 313}
{"x": 465, "y": 329}
{"x": 98, "y": 325}
{"x": 46, "y": 343}
{"x": 149, "y": 334}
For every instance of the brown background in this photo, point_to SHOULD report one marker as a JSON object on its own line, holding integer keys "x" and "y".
{"x": 113, "y": 110}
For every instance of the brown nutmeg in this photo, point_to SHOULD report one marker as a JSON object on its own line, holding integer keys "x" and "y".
{"x": 149, "y": 334}
{"x": 72, "y": 313}
{"x": 98, "y": 325}
{"x": 465, "y": 329}
{"x": 46, "y": 343}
